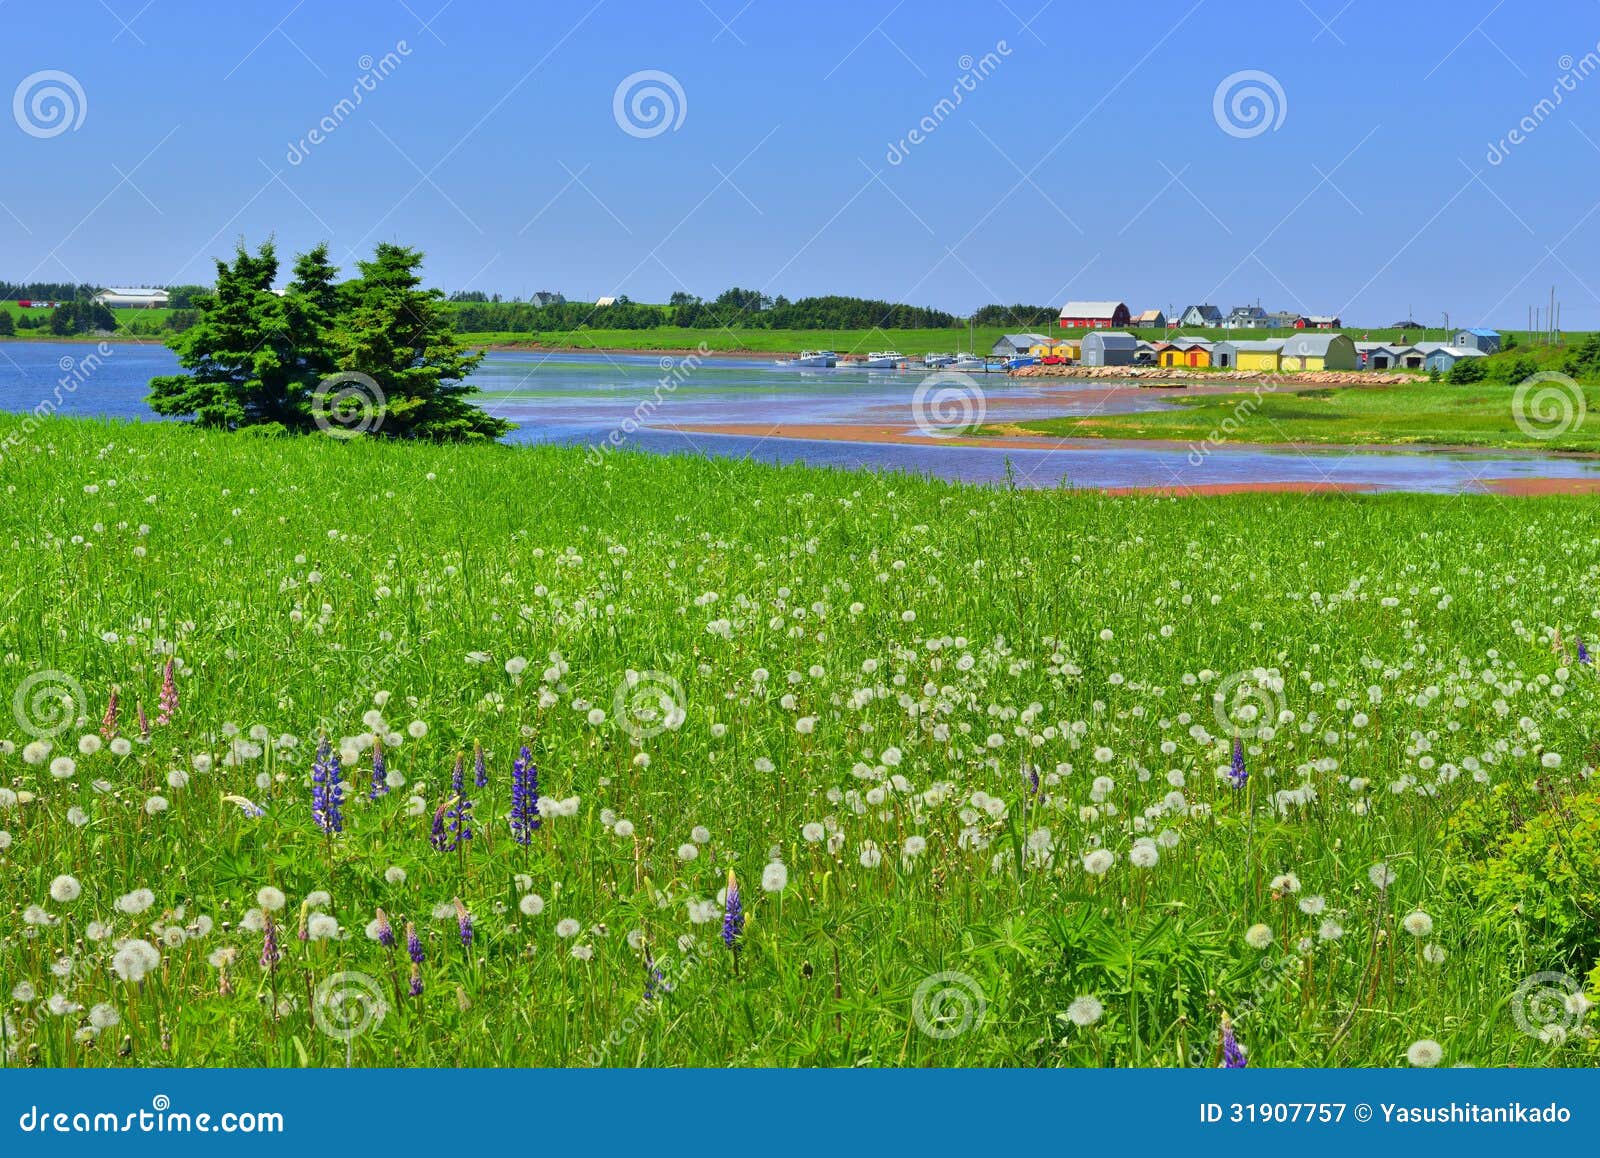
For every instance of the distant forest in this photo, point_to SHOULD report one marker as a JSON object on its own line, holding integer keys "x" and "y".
{"x": 477, "y": 312}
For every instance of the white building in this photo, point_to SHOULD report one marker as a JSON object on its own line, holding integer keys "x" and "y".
{"x": 124, "y": 299}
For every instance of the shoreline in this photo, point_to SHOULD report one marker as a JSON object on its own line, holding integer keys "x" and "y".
{"x": 899, "y": 435}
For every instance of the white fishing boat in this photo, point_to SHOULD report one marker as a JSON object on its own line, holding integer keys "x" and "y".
{"x": 817, "y": 359}
{"x": 937, "y": 361}
{"x": 886, "y": 360}
{"x": 967, "y": 362}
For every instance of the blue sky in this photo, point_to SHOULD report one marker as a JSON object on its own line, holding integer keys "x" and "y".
{"x": 1088, "y": 161}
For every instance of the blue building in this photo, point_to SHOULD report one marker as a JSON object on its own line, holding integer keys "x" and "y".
{"x": 1484, "y": 341}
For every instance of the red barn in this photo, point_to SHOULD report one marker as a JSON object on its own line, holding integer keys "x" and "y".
{"x": 1094, "y": 316}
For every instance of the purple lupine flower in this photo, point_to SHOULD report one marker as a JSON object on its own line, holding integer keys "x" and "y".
{"x": 732, "y": 915}
{"x": 1583, "y": 653}
{"x": 524, "y": 798}
{"x": 416, "y": 980}
{"x": 452, "y": 823}
{"x": 384, "y": 930}
{"x": 1238, "y": 775}
{"x": 414, "y": 945}
{"x": 326, "y": 790}
{"x": 464, "y": 924}
{"x": 1232, "y": 1056}
{"x": 269, "y": 944}
{"x": 380, "y": 770}
{"x": 657, "y": 982}
{"x": 480, "y": 769}
{"x": 1033, "y": 778}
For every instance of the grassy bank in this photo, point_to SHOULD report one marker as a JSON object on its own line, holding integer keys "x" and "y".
{"x": 1482, "y": 414}
{"x": 854, "y": 677}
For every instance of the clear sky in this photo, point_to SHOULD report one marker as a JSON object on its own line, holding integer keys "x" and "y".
{"x": 1086, "y": 157}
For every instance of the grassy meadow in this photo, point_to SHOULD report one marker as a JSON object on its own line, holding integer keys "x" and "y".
{"x": 969, "y": 755}
{"x": 1547, "y": 417}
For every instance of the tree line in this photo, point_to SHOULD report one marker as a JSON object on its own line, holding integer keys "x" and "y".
{"x": 734, "y": 308}
{"x": 378, "y": 348}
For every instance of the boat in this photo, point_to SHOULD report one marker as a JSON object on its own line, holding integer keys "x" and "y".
{"x": 1019, "y": 362}
{"x": 814, "y": 359}
{"x": 886, "y": 360}
{"x": 937, "y": 361}
{"x": 967, "y": 362}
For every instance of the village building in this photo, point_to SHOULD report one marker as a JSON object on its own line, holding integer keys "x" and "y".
{"x": 1445, "y": 357}
{"x": 1246, "y": 318}
{"x": 124, "y": 299}
{"x": 1016, "y": 345}
{"x": 1207, "y": 316}
{"x": 1484, "y": 341}
{"x": 1310, "y": 352}
{"x": 1094, "y": 316}
{"x": 1194, "y": 353}
{"x": 1109, "y": 348}
{"x": 1318, "y": 322}
{"x": 1150, "y": 320}
{"x": 1266, "y": 355}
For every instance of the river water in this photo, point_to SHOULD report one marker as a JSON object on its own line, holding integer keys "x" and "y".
{"x": 634, "y": 400}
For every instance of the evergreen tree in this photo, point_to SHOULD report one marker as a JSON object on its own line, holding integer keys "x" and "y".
{"x": 243, "y": 362}
{"x": 7, "y": 325}
{"x": 401, "y": 336}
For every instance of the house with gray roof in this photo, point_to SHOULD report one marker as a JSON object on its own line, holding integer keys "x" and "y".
{"x": 1109, "y": 348}
{"x": 1200, "y": 316}
{"x": 1014, "y": 345}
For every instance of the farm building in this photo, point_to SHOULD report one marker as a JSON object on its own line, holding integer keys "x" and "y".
{"x": 546, "y": 298}
{"x": 1109, "y": 348}
{"x": 1192, "y": 352}
{"x": 122, "y": 299}
{"x": 1445, "y": 357}
{"x": 1386, "y": 356}
{"x": 1484, "y": 341}
{"x": 1318, "y": 322}
{"x": 1015, "y": 345}
{"x": 1246, "y": 318}
{"x": 1283, "y": 319}
{"x": 1263, "y": 355}
{"x": 1319, "y": 352}
{"x": 1094, "y": 316}
{"x": 1150, "y": 320}
{"x": 1200, "y": 316}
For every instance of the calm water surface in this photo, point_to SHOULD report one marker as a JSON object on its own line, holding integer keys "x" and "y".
{"x": 580, "y": 399}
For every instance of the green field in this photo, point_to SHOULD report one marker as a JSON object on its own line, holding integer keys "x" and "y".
{"x": 856, "y": 677}
{"x": 1554, "y": 417}
{"x": 910, "y": 342}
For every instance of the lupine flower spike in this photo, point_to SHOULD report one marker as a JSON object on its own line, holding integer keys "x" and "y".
{"x": 385, "y": 930}
{"x": 1583, "y": 654}
{"x": 326, "y": 790}
{"x": 380, "y": 770}
{"x": 144, "y": 720}
{"x": 1238, "y": 775}
{"x": 270, "y": 956}
{"x": 108, "y": 725}
{"x": 732, "y": 915}
{"x": 524, "y": 798}
{"x": 1232, "y": 1056}
{"x": 480, "y": 770}
{"x": 464, "y": 924}
{"x": 414, "y": 945}
{"x": 168, "y": 703}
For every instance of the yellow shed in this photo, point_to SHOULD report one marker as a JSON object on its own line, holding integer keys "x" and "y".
{"x": 1263, "y": 355}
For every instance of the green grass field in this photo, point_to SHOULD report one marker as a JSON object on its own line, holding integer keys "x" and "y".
{"x": 1553, "y": 416}
{"x": 966, "y": 750}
